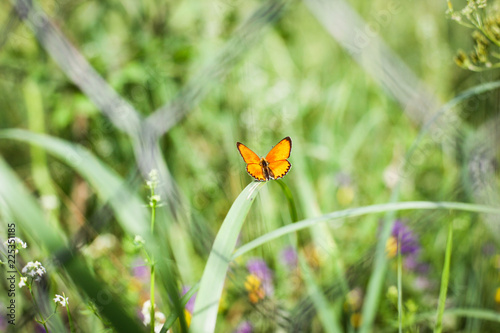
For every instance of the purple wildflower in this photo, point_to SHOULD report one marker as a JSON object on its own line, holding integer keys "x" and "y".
{"x": 258, "y": 267}
{"x": 289, "y": 257}
{"x": 140, "y": 270}
{"x": 405, "y": 237}
{"x": 244, "y": 327}
{"x": 190, "y": 304}
{"x": 39, "y": 329}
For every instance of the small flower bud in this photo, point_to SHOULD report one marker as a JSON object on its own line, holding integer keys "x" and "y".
{"x": 461, "y": 59}
{"x": 63, "y": 301}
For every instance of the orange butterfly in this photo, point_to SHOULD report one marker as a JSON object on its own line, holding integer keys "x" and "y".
{"x": 273, "y": 166}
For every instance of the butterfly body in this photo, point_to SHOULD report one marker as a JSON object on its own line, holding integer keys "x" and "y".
{"x": 274, "y": 166}
{"x": 268, "y": 173}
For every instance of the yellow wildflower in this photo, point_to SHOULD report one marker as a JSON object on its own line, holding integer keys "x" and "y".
{"x": 254, "y": 287}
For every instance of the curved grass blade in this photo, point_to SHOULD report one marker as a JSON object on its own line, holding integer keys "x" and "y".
{"x": 107, "y": 184}
{"x": 326, "y": 313}
{"x": 373, "y": 291}
{"x": 173, "y": 316}
{"x": 352, "y": 212}
{"x": 214, "y": 275}
{"x": 445, "y": 278}
{"x": 25, "y": 210}
{"x": 400, "y": 286}
{"x": 42, "y": 180}
{"x": 29, "y": 216}
{"x": 289, "y": 198}
{"x": 483, "y": 314}
{"x": 110, "y": 188}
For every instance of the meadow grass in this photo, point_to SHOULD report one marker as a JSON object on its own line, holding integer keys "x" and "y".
{"x": 317, "y": 251}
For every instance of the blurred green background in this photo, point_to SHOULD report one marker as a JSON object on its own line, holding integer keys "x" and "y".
{"x": 350, "y": 134}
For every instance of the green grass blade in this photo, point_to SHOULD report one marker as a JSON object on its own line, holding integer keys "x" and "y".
{"x": 373, "y": 291}
{"x": 352, "y": 212}
{"x": 28, "y": 216}
{"x": 400, "y": 287}
{"x": 483, "y": 314}
{"x": 289, "y": 197}
{"x": 173, "y": 316}
{"x": 109, "y": 187}
{"x": 326, "y": 313}
{"x": 107, "y": 184}
{"x": 39, "y": 167}
{"x": 474, "y": 91}
{"x": 26, "y": 212}
{"x": 444, "y": 280}
{"x": 129, "y": 209}
{"x": 110, "y": 304}
{"x": 321, "y": 235}
{"x": 70, "y": 320}
{"x": 212, "y": 281}
{"x": 370, "y": 305}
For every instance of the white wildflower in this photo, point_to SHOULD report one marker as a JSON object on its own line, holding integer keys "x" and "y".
{"x": 159, "y": 321}
{"x": 146, "y": 312}
{"x": 15, "y": 242}
{"x": 154, "y": 200}
{"x": 159, "y": 316}
{"x": 456, "y": 17}
{"x": 468, "y": 10}
{"x": 23, "y": 281}
{"x": 61, "y": 300}
{"x": 139, "y": 241}
{"x": 153, "y": 179}
{"x": 34, "y": 269}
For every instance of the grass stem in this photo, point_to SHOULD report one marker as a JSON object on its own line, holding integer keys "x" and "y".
{"x": 444, "y": 281}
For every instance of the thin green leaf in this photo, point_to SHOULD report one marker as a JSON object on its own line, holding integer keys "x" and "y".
{"x": 184, "y": 299}
{"x": 214, "y": 275}
{"x": 325, "y": 312}
{"x": 483, "y": 314}
{"x": 445, "y": 278}
{"x": 400, "y": 286}
{"x": 289, "y": 197}
{"x": 28, "y": 215}
{"x": 373, "y": 291}
{"x": 70, "y": 320}
{"x": 26, "y": 212}
{"x": 107, "y": 184}
{"x": 352, "y": 212}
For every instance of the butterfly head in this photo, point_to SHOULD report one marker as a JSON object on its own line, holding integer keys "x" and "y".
{"x": 263, "y": 163}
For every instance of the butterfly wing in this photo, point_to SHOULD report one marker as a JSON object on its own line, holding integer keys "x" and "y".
{"x": 248, "y": 155}
{"x": 255, "y": 171}
{"x": 281, "y": 151}
{"x": 279, "y": 168}
{"x": 252, "y": 160}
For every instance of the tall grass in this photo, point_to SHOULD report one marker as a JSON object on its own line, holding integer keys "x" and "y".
{"x": 77, "y": 146}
